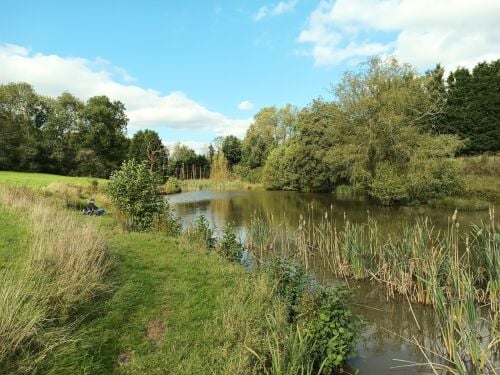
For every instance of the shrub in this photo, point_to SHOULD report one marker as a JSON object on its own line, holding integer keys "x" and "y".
{"x": 172, "y": 186}
{"x": 229, "y": 247}
{"x": 330, "y": 327}
{"x": 200, "y": 231}
{"x": 134, "y": 191}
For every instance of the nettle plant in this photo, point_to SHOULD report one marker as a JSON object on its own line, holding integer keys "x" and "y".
{"x": 134, "y": 191}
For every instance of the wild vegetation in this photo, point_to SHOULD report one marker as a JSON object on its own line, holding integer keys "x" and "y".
{"x": 74, "y": 303}
{"x": 389, "y": 132}
{"x": 62, "y": 267}
{"x": 457, "y": 274}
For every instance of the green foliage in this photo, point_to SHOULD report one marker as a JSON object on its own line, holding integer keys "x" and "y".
{"x": 229, "y": 246}
{"x": 292, "y": 282}
{"x": 219, "y": 170}
{"x": 146, "y": 146}
{"x": 245, "y": 173}
{"x": 172, "y": 186}
{"x": 271, "y": 127}
{"x": 331, "y": 327}
{"x": 472, "y": 109}
{"x": 330, "y": 330}
{"x": 134, "y": 191}
{"x": 231, "y": 147}
{"x": 388, "y": 185}
{"x": 281, "y": 169}
{"x": 184, "y": 163}
{"x": 201, "y": 231}
{"x": 61, "y": 135}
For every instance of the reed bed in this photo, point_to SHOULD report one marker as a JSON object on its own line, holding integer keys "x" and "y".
{"x": 459, "y": 274}
{"x": 64, "y": 268}
{"x": 415, "y": 262}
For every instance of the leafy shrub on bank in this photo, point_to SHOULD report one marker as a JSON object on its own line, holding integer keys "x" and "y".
{"x": 172, "y": 186}
{"x": 134, "y": 191}
{"x": 329, "y": 328}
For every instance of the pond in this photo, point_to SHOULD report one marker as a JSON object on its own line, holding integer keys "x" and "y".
{"x": 390, "y": 322}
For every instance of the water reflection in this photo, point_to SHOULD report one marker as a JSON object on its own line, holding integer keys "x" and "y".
{"x": 389, "y": 322}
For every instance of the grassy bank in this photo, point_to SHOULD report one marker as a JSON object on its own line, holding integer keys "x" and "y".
{"x": 58, "y": 270}
{"x": 207, "y": 184}
{"x": 80, "y": 295}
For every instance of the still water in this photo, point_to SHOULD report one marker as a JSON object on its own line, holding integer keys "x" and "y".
{"x": 390, "y": 325}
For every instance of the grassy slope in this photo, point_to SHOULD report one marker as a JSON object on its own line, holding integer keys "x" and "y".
{"x": 38, "y": 180}
{"x": 158, "y": 282}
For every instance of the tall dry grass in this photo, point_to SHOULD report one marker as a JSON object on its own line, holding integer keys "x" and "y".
{"x": 63, "y": 269}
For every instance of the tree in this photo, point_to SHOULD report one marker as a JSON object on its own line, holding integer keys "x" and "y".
{"x": 103, "y": 130}
{"x": 379, "y": 133}
{"x": 472, "y": 109}
{"x": 271, "y": 127}
{"x": 231, "y": 147}
{"x": 219, "y": 170}
{"x": 146, "y": 146}
{"x": 134, "y": 190}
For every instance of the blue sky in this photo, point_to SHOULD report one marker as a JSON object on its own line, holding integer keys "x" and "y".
{"x": 182, "y": 68}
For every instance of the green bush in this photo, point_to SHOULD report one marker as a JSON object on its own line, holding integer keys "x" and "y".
{"x": 322, "y": 314}
{"x": 229, "y": 246}
{"x": 291, "y": 283}
{"x": 201, "y": 231}
{"x": 172, "y": 186}
{"x": 134, "y": 191}
{"x": 330, "y": 327}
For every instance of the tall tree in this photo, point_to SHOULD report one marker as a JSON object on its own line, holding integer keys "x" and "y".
{"x": 472, "y": 108}
{"x": 231, "y": 147}
{"x": 146, "y": 146}
{"x": 103, "y": 132}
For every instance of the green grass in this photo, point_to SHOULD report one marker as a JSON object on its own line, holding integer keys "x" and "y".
{"x": 13, "y": 237}
{"x": 207, "y": 184}
{"x": 158, "y": 279}
{"x": 207, "y": 313}
{"x": 39, "y": 180}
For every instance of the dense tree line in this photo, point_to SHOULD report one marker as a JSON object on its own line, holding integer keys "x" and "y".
{"x": 389, "y": 132}
{"x": 65, "y": 135}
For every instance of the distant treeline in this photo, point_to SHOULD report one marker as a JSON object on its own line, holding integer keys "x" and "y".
{"x": 389, "y": 132}
{"x": 68, "y": 136}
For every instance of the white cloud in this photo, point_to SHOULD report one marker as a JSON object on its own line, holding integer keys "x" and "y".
{"x": 245, "y": 105}
{"x": 201, "y": 148}
{"x": 278, "y": 9}
{"x": 422, "y": 32}
{"x": 51, "y": 75}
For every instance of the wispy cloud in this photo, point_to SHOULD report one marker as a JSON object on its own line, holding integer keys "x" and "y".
{"x": 422, "y": 32}
{"x": 52, "y": 74}
{"x": 275, "y": 10}
{"x": 245, "y": 105}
